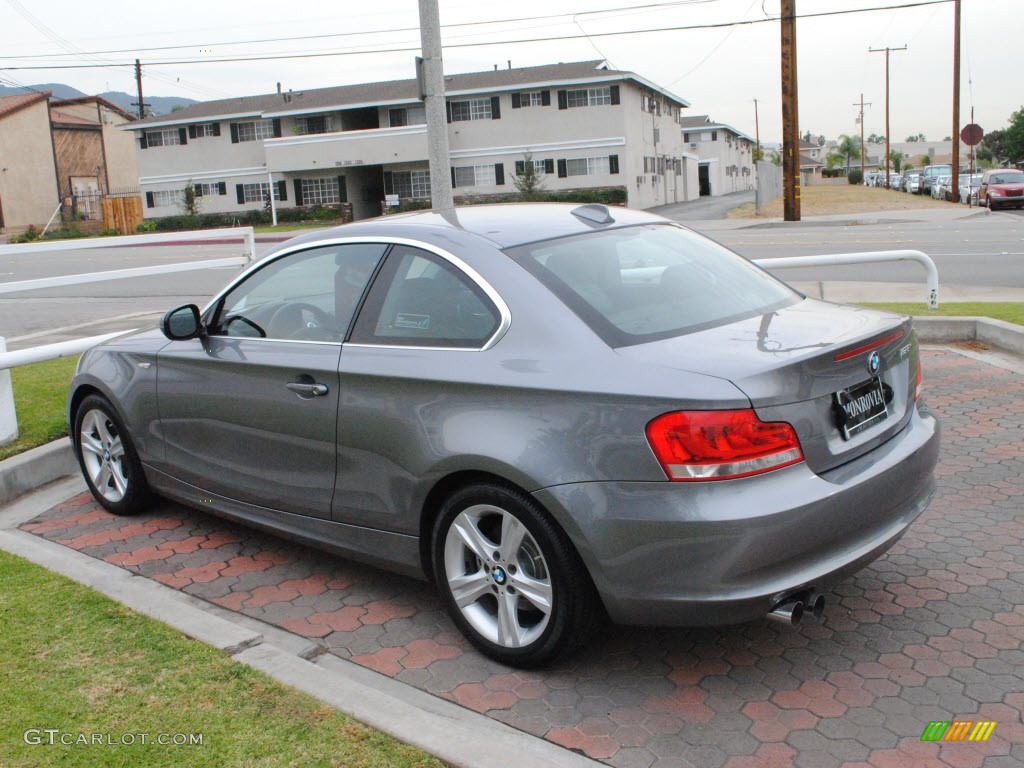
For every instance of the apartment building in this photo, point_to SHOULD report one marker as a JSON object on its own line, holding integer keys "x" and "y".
{"x": 726, "y": 156}
{"x": 584, "y": 126}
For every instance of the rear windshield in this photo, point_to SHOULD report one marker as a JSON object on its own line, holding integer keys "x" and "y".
{"x": 643, "y": 283}
{"x": 1007, "y": 177}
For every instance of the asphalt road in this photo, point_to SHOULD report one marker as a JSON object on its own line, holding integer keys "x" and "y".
{"x": 981, "y": 255}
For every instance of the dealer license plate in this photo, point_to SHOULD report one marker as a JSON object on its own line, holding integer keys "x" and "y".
{"x": 860, "y": 407}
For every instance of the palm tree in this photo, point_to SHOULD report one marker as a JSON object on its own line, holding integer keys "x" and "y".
{"x": 850, "y": 149}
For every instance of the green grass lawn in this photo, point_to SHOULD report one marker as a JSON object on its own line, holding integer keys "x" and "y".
{"x": 284, "y": 229}
{"x": 77, "y": 661}
{"x": 1011, "y": 312}
{"x": 40, "y": 391}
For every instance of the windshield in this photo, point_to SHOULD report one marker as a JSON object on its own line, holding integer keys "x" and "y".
{"x": 639, "y": 284}
{"x": 1009, "y": 177}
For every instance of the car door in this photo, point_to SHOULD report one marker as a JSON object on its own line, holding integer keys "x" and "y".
{"x": 248, "y": 411}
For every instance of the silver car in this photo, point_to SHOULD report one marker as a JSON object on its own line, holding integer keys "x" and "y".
{"x": 554, "y": 413}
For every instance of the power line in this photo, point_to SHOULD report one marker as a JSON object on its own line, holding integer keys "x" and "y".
{"x": 559, "y": 38}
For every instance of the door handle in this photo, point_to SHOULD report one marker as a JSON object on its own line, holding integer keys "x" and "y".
{"x": 307, "y": 390}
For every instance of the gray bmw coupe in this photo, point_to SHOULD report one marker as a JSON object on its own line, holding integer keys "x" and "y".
{"x": 554, "y": 413}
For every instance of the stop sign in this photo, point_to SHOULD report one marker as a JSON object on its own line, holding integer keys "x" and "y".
{"x": 971, "y": 134}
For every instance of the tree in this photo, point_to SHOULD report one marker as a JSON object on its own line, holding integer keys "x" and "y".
{"x": 995, "y": 145}
{"x": 925, "y": 160}
{"x": 916, "y": 137}
{"x": 832, "y": 159}
{"x": 757, "y": 153}
{"x": 776, "y": 158}
{"x": 907, "y": 166}
{"x": 1015, "y": 137}
{"x": 948, "y": 138}
{"x": 528, "y": 183}
{"x": 190, "y": 200}
{"x": 874, "y": 138}
{"x": 849, "y": 148}
{"x": 896, "y": 160}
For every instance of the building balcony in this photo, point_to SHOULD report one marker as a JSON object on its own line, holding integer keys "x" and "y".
{"x": 341, "y": 149}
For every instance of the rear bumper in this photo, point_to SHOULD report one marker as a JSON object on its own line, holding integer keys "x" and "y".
{"x": 726, "y": 552}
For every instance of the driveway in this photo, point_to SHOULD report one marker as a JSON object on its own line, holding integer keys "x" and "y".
{"x": 931, "y": 632}
{"x": 704, "y": 208}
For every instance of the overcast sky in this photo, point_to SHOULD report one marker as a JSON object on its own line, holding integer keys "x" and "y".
{"x": 720, "y": 71}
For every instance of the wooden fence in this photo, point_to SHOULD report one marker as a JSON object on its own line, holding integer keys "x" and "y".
{"x": 123, "y": 213}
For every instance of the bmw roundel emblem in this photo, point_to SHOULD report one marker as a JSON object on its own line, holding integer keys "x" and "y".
{"x": 874, "y": 363}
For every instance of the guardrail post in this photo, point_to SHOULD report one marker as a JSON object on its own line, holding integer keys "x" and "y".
{"x": 8, "y": 417}
{"x": 250, "y": 241}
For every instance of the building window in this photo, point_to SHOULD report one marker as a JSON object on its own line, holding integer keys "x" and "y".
{"x": 255, "y": 130}
{"x": 166, "y": 197}
{"x": 589, "y": 97}
{"x": 475, "y": 176}
{"x": 257, "y": 193}
{"x": 407, "y": 116}
{"x": 320, "y": 191}
{"x": 589, "y": 166}
{"x": 410, "y": 183}
{"x": 165, "y": 138}
{"x": 206, "y": 129}
{"x": 471, "y": 109}
{"x": 649, "y": 165}
{"x": 531, "y": 99}
{"x": 207, "y": 190}
{"x": 313, "y": 124}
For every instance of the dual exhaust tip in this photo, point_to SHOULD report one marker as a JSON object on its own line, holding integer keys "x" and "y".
{"x": 792, "y": 612}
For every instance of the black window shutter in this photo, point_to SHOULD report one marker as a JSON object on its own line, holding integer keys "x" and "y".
{"x": 239, "y": 194}
{"x": 142, "y": 140}
{"x": 199, "y": 190}
{"x": 222, "y": 188}
{"x": 562, "y": 170}
{"x": 453, "y": 178}
{"x": 342, "y": 190}
{"x": 615, "y": 94}
{"x": 549, "y": 166}
{"x": 389, "y": 183}
{"x": 613, "y": 163}
{"x": 149, "y": 200}
{"x": 282, "y": 190}
{"x": 183, "y": 136}
{"x": 277, "y": 128}
{"x": 495, "y": 108}
{"x": 216, "y": 129}
{"x": 520, "y": 167}
{"x": 499, "y": 174}
{"x": 191, "y": 131}
{"x": 517, "y": 100}
{"x": 563, "y": 100}
{"x": 298, "y": 191}
{"x": 545, "y": 98}
{"x": 234, "y": 133}
{"x": 448, "y": 109}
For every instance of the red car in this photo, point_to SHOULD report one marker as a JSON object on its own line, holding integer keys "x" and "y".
{"x": 1002, "y": 188}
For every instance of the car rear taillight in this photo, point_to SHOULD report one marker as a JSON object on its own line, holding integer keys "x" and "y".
{"x": 721, "y": 445}
{"x": 918, "y": 382}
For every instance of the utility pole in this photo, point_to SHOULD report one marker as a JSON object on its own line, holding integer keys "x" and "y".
{"x": 430, "y": 73}
{"x": 887, "y": 137}
{"x": 138, "y": 83}
{"x": 861, "y": 135}
{"x": 790, "y": 115}
{"x": 956, "y": 102}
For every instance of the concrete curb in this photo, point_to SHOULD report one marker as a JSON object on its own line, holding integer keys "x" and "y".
{"x": 996, "y": 333}
{"x": 35, "y": 468}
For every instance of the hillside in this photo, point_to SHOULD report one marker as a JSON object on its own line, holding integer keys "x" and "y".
{"x": 160, "y": 105}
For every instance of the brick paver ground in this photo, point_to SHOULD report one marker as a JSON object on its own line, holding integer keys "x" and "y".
{"x": 932, "y": 631}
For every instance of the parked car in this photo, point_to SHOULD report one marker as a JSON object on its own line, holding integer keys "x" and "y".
{"x": 552, "y": 412}
{"x": 914, "y": 184}
{"x": 930, "y": 174}
{"x": 969, "y": 184}
{"x": 894, "y": 181}
{"x": 939, "y": 186}
{"x": 1001, "y": 188}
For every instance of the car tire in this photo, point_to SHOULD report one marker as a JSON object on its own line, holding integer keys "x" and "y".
{"x": 108, "y": 459}
{"x": 510, "y": 578}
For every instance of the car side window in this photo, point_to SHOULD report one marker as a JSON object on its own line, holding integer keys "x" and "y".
{"x": 420, "y": 299}
{"x": 311, "y": 295}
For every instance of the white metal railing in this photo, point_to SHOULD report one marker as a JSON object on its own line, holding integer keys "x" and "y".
{"x": 8, "y": 360}
{"x": 829, "y": 260}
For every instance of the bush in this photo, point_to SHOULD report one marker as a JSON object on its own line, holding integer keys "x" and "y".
{"x": 603, "y": 195}
{"x": 64, "y": 233}
{"x": 252, "y": 217}
{"x": 27, "y": 236}
{"x": 856, "y": 177}
{"x": 149, "y": 225}
{"x": 109, "y": 233}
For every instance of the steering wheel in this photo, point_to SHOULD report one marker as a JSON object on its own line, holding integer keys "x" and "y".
{"x": 288, "y": 322}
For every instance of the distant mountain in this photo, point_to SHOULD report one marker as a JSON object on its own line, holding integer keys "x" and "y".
{"x": 159, "y": 105}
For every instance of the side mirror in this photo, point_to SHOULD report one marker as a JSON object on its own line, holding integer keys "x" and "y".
{"x": 181, "y": 323}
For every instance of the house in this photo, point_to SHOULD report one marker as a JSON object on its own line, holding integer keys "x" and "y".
{"x": 28, "y": 174}
{"x": 812, "y": 162}
{"x": 585, "y": 126}
{"x": 726, "y": 156}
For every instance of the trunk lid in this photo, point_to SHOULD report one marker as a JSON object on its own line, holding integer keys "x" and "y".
{"x": 791, "y": 363}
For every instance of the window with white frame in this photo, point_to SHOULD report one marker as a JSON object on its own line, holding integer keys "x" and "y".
{"x": 207, "y": 190}
{"x": 320, "y": 191}
{"x": 400, "y": 116}
{"x": 410, "y": 183}
{"x": 165, "y": 197}
{"x": 538, "y": 167}
{"x": 531, "y": 99}
{"x": 255, "y": 130}
{"x": 589, "y": 97}
{"x": 471, "y": 109}
{"x": 313, "y": 124}
{"x": 257, "y": 192}
{"x": 165, "y": 138}
{"x": 589, "y": 166}
{"x": 474, "y": 176}
{"x": 204, "y": 130}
